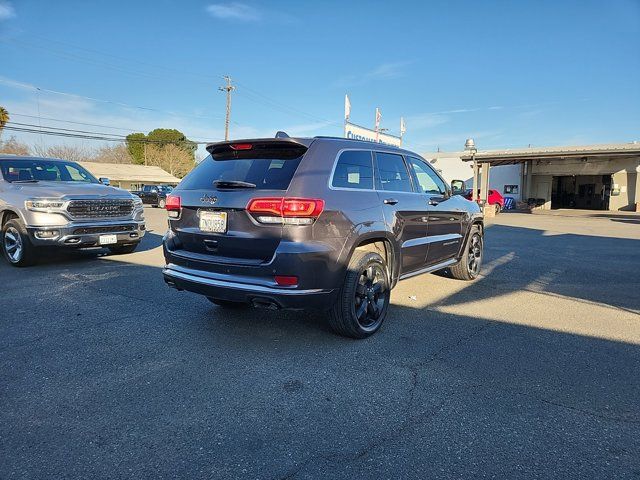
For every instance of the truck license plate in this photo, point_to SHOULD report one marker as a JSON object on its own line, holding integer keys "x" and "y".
{"x": 108, "y": 239}
{"x": 215, "y": 222}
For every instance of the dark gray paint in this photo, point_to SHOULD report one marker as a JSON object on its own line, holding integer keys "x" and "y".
{"x": 420, "y": 234}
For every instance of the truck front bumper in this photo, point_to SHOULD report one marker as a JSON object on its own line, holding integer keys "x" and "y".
{"x": 87, "y": 234}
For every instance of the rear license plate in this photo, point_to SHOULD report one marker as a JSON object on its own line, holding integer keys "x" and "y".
{"x": 215, "y": 222}
{"x": 108, "y": 239}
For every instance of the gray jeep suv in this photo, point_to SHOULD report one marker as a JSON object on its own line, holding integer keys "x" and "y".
{"x": 317, "y": 222}
{"x": 45, "y": 202}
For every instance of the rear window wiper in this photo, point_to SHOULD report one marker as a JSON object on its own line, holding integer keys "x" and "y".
{"x": 233, "y": 184}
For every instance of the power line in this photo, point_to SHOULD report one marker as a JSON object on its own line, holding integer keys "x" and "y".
{"x": 130, "y": 130}
{"x": 120, "y": 104}
{"x": 83, "y": 134}
{"x": 14, "y": 114}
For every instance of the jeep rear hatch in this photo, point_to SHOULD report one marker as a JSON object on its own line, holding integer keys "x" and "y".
{"x": 213, "y": 218}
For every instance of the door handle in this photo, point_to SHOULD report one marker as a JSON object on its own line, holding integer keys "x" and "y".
{"x": 390, "y": 201}
{"x": 433, "y": 202}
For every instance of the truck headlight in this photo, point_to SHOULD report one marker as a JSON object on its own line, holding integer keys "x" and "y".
{"x": 43, "y": 204}
{"x": 137, "y": 202}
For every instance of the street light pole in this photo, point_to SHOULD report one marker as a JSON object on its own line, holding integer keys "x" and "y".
{"x": 470, "y": 146}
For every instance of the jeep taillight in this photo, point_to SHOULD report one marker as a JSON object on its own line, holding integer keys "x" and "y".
{"x": 173, "y": 204}
{"x": 286, "y": 210}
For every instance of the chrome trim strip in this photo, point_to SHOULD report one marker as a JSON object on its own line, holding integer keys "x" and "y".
{"x": 247, "y": 287}
{"x": 431, "y": 268}
{"x": 414, "y": 242}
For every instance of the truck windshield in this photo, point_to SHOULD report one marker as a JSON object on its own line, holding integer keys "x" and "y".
{"x": 34, "y": 170}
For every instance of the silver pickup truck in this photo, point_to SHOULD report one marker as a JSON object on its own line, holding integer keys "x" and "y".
{"x": 55, "y": 203}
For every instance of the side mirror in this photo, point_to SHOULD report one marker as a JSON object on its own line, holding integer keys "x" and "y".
{"x": 104, "y": 181}
{"x": 458, "y": 187}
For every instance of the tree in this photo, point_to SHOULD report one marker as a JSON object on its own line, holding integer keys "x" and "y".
{"x": 170, "y": 158}
{"x": 64, "y": 152}
{"x": 14, "y": 147}
{"x": 170, "y": 136}
{"x": 4, "y": 118}
{"x": 112, "y": 154}
{"x": 135, "y": 146}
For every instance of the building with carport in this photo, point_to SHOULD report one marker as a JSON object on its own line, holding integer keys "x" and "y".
{"x": 595, "y": 177}
{"x": 130, "y": 176}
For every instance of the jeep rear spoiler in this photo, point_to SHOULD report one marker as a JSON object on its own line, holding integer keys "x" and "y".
{"x": 267, "y": 148}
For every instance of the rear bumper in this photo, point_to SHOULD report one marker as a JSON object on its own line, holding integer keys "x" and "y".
{"x": 86, "y": 235}
{"x": 237, "y": 289}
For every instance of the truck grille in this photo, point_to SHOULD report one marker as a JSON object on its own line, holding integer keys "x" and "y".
{"x": 100, "y": 208}
{"x": 105, "y": 229}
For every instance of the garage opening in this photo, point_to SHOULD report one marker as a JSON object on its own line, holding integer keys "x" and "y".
{"x": 589, "y": 192}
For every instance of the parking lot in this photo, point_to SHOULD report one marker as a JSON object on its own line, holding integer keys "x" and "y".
{"x": 532, "y": 370}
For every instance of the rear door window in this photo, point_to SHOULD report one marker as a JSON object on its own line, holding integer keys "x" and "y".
{"x": 354, "y": 169}
{"x": 392, "y": 173}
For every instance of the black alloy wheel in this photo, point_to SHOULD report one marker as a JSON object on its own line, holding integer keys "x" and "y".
{"x": 371, "y": 297}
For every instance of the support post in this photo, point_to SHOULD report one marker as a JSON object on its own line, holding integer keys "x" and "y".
{"x": 484, "y": 185}
{"x": 474, "y": 190}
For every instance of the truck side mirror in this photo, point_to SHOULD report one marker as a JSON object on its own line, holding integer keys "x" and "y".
{"x": 458, "y": 187}
{"x": 104, "y": 181}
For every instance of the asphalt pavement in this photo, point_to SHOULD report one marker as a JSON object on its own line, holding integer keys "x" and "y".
{"x": 532, "y": 371}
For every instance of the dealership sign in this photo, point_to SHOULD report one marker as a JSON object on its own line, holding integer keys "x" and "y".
{"x": 356, "y": 132}
{"x": 377, "y": 135}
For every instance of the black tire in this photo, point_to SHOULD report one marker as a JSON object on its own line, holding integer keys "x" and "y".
{"x": 498, "y": 208}
{"x": 227, "y": 303}
{"x": 162, "y": 203}
{"x": 469, "y": 266}
{"x": 123, "y": 249}
{"x": 363, "y": 299}
{"x": 16, "y": 245}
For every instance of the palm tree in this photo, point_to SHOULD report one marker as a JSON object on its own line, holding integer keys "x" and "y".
{"x": 4, "y": 118}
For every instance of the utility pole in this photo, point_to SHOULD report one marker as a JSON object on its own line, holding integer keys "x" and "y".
{"x": 227, "y": 88}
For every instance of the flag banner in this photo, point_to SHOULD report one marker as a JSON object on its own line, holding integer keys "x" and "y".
{"x": 403, "y": 127}
{"x": 378, "y": 118}
{"x": 356, "y": 132}
{"x": 347, "y": 107}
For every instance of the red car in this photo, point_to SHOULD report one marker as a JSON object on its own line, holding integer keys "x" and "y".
{"x": 494, "y": 198}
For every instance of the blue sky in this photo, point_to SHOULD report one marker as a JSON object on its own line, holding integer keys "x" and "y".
{"x": 509, "y": 73}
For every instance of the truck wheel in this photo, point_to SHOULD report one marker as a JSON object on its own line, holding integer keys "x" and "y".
{"x": 161, "y": 203}
{"x": 363, "y": 299}
{"x": 123, "y": 249}
{"x": 16, "y": 245}
{"x": 469, "y": 266}
{"x": 498, "y": 208}
{"x": 227, "y": 303}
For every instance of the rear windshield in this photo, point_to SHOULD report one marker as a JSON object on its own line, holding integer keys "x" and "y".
{"x": 264, "y": 173}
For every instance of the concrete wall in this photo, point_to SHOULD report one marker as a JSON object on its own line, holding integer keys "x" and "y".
{"x": 627, "y": 183}
{"x": 451, "y": 167}
{"x": 575, "y": 166}
{"x": 541, "y": 188}
{"x": 506, "y": 175}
